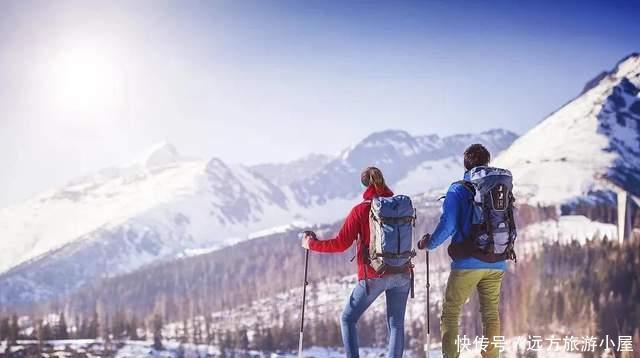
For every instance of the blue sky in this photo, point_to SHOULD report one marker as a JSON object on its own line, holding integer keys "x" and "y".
{"x": 91, "y": 84}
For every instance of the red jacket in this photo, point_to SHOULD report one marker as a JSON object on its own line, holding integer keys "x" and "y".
{"x": 356, "y": 224}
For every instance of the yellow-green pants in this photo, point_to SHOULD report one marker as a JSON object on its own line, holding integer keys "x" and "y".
{"x": 460, "y": 286}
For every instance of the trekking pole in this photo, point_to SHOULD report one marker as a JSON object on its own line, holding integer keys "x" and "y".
{"x": 304, "y": 298}
{"x": 428, "y": 313}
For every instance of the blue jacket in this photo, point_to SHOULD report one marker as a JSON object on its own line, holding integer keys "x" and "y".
{"x": 456, "y": 220}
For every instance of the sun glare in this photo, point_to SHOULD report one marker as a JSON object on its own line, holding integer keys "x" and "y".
{"x": 86, "y": 80}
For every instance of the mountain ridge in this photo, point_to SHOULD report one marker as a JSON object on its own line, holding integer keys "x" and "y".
{"x": 595, "y": 137}
{"x": 164, "y": 205}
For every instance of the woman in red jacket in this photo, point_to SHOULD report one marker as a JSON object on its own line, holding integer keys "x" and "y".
{"x": 395, "y": 286}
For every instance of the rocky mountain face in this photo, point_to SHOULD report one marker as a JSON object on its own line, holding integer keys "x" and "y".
{"x": 285, "y": 173}
{"x": 402, "y": 157}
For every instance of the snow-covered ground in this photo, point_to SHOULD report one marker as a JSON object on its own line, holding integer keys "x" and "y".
{"x": 564, "y": 230}
{"x": 569, "y": 228}
{"x": 172, "y": 349}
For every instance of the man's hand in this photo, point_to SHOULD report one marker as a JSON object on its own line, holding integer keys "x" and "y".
{"x": 422, "y": 244}
{"x": 306, "y": 236}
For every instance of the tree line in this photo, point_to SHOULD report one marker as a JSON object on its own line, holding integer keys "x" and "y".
{"x": 589, "y": 289}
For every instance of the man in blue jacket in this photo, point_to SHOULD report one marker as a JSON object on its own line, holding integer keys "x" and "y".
{"x": 468, "y": 273}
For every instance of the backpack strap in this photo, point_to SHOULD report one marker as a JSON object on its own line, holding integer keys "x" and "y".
{"x": 485, "y": 211}
{"x": 365, "y": 255}
{"x": 511, "y": 253}
{"x": 467, "y": 185}
{"x": 487, "y": 221}
{"x": 472, "y": 190}
{"x": 367, "y": 201}
{"x": 366, "y": 283}
{"x": 403, "y": 255}
{"x": 399, "y": 220}
{"x": 412, "y": 277}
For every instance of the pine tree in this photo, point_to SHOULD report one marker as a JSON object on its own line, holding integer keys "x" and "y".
{"x": 40, "y": 335}
{"x": 46, "y": 333}
{"x": 77, "y": 323}
{"x": 157, "y": 332}
{"x": 119, "y": 325}
{"x": 82, "y": 330}
{"x": 320, "y": 329}
{"x": 4, "y": 328}
{"x": 196, "y": 331}
{"x": 93, "y": 327}
{"x": 184, "y": 337}
{"x": 61, "y": 330}
{"x": 243, "y": 339}
{"x": 228, "y": 339}
{"x": 225, "y": 344}
{"x": 268, "y": 342}
{"x": 133, "y": 329}
{"x": 14, "y": 330}
{"x": 207, "y": 327}
{"x": 106, "y": 329}
{"x": 334, "y": 333}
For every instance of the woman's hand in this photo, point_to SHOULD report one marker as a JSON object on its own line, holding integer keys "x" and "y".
{"x": 307, "y": 236}
{"x": 305, "y": 242}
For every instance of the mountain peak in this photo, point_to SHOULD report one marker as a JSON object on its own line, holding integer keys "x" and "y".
{"x": 389, "y": 134}
{"x": 632, "y": 57}
{"x": 498, "y": 131}
{"x": 498, "y": 134}
{"x": 161, "y": 154}
{"x": 595, "y": 137}
{"x": 628, "y": 67}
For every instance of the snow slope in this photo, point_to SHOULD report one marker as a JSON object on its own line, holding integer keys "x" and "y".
{"x": 586, "y": 147}
{"x": 181, "y": 198}
{"x": 565, "y": 230}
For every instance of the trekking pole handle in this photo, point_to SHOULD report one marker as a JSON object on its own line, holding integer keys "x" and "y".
{"x": 309, "y": 233}
{"x": 422, "y": 244}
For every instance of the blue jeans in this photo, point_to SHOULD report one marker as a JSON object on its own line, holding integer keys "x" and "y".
{"x": 396, "y": 289}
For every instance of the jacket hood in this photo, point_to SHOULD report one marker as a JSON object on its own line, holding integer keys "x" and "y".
{"x": 373, "y": 192}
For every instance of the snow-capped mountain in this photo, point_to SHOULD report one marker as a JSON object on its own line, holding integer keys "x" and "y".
{"x": 586, "y": 147}
{"x": 164, "y": 205}
{"x": 123, "y": 218}
{"x": 406, "y": 160}
{"x": 286, "y": 173}
{"x": 182, "y": 196}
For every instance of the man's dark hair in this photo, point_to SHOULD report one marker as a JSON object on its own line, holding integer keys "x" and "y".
{"x": 476, "y": 155}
